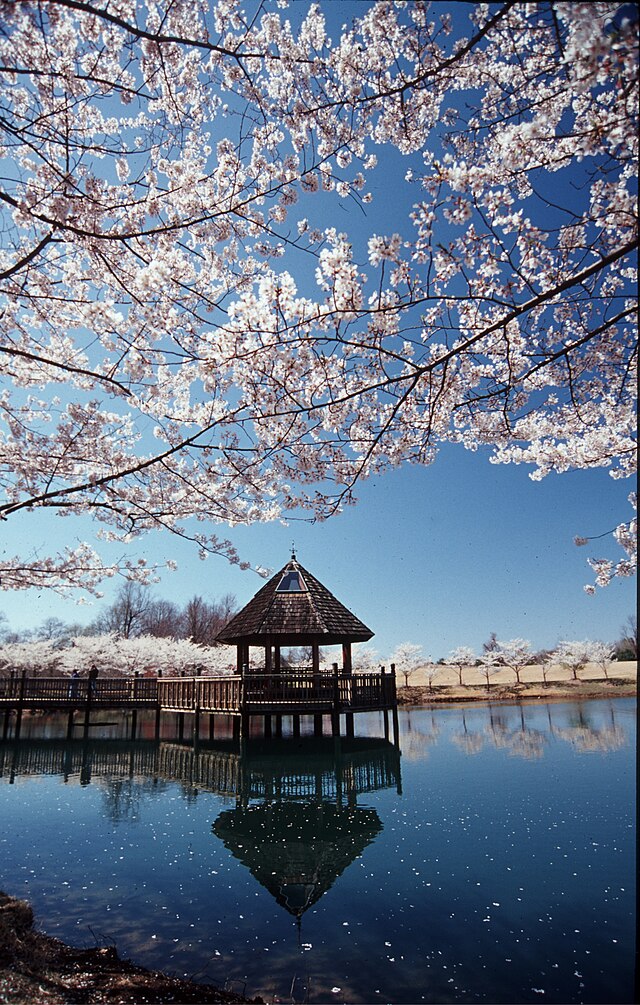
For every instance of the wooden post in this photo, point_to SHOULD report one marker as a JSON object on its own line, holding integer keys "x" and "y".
{"x": 335, "y": 713}
{"x": 134, "y": 723}
{"x": 296, "y": 725}
{"x": 394, "y": 709}
{"x": 196, "y": 726}
{"x": 349, "y": 723}
{"x": 23, "y": 680}
{"x": 279, "y": 726}
{"x": 158, "y": 718}
{"x": 180, "y": 726}
{"x": 87, "y": 710}
{"x": 267, "y": 727}
{"x": 317, "y": 725}
{"x": 212, "y": 726}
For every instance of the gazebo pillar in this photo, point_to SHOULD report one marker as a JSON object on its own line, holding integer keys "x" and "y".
{"x": 242, "y": 657}
{"x": 315, "y": 657}
{"x": 268, "y": 654}
{"x": 347, "y": 664}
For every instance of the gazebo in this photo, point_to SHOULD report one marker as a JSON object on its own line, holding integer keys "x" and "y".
{"x": 293, "y": 609}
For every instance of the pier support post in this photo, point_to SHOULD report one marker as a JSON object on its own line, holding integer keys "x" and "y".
{"x": 296, "y": 726}
{"x": 158, "y": 718}
{"x": 317, "y": 725}
{"x": 180, "y": 726}
{"x": 134, "y": 723}
{"x": 279, "y": 726}
{"x": 349, "y": 723}
{"x": 212, "y": 726}
{"x": 70, "y": 725}
{"x": 267, "y": 727}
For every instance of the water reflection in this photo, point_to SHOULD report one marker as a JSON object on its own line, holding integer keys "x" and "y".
{"x": 306, "y": 827}
{"x": 504, "y": 871}
{"x": 520, "y": 731}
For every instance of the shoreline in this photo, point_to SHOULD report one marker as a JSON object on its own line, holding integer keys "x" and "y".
{"x": 423, "y": 696}
{"x": 450, "y": 685}
{"x": 38, "y": 968}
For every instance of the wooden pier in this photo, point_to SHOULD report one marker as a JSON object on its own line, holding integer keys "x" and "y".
{"x": 336, "y": 694}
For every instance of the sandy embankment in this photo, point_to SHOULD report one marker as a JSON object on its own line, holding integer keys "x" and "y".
{"x": 621, "y": 681}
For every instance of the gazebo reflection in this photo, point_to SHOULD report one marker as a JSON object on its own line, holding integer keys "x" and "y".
{"x": 296, "y": 825}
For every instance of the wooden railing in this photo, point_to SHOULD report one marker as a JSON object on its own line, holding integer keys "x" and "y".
{"x": 252, "y": 693}
{"x": 66, "y": 690}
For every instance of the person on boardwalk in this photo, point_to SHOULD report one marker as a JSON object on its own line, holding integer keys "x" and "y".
{"x": 73, "y": 686}
{"x": 93, "y": 677}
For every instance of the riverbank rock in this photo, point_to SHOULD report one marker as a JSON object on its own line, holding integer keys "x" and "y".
{"x": 36, "y": 969}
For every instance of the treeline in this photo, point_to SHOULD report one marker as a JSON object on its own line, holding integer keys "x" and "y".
{"x": 135, "y": 613}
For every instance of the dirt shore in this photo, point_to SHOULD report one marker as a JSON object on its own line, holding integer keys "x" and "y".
{"x": 36, "y": 969}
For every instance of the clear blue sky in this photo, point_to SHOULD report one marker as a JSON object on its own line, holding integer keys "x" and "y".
{"x": 440, "y": 556}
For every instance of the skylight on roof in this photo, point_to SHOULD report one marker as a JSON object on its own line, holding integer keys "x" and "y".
{"x": 291, "y": 582}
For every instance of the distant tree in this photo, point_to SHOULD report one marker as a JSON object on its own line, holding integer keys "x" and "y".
{"x": 36, "y": 657}
{"x": 489, "y": 665}
{"x": 408, "y": 658}
{"x": 365, "y": 658}
{"x": 163, "y": 619}
{"x": 491, "y": 644}
{"x": 203, "y": 620}
{"x": 515, "y": 654}
{"x": 627, "y": 646}
{"x": 602, "y": 655}
{"x": 460, "y": 658}
{"x": 125, "y": 617}
{"x": 575, "y": 655}
{"x": 432, "y": 672}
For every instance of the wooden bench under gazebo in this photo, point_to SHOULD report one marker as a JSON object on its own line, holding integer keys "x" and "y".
{"x": 295, "y": 610}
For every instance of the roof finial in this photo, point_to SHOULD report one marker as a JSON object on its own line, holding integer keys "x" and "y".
{"x": 293, "y": 551}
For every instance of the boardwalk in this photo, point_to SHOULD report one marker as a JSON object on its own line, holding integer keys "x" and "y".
{"x": 244, "y": 696}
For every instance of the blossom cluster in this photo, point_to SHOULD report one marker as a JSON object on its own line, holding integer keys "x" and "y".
{"x": 189, "y": 337}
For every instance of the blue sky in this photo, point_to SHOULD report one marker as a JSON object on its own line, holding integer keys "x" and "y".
{"x": 440, "y": 556}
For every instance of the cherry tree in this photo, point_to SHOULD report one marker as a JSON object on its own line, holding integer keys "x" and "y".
{"x": 461, "y": 657}
{"x": 365, "y": 658}
{"x": 602, "y": 655}
{"x": 32, "y": 658}
{"x": 407, "y": 658}
{"x": 116, "y": 657}
{"x": 575, "y": 655}
{"x": 514, "y": 654}
{"x": 189, "y": 340}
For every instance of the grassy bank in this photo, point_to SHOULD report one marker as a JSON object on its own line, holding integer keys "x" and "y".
{"x": 428, "y": 685}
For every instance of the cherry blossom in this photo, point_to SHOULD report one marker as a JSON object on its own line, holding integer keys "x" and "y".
{"x": 189, "y": 337}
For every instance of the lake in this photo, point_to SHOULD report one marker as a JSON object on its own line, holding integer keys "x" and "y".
{"x": 490, "y": 859}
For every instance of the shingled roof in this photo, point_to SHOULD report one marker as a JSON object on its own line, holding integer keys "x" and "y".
{"x": 294, "y": 608}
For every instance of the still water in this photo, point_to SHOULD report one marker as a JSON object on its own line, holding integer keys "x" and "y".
{"x": 491, "y": 859}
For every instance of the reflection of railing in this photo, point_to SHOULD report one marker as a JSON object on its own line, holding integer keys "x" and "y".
{"x": 317, "y": 770}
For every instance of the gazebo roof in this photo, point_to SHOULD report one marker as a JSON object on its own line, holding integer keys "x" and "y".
{"x": 294, "y": 608}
